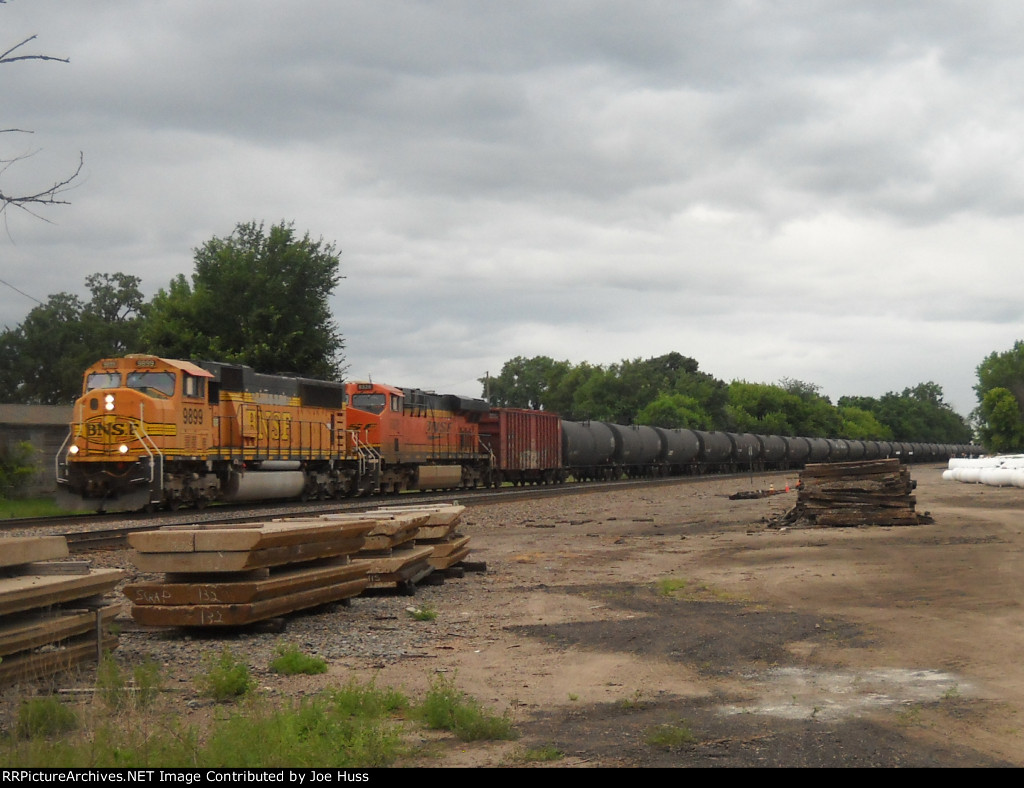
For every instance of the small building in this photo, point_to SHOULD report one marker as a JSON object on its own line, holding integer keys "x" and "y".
{"x": 45, "y": 427}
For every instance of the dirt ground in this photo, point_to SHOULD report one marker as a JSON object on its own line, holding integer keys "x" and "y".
{"x": 606, "y": 619}
{"x": 671, "y": 626}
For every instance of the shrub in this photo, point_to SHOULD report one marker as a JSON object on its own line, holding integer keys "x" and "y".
{"x": 447, "y": 708}
{"x": 17, "y": 467}
{"x": 44, "y": 717}
{"x": 226, "y": 678}
{"x": 290, "y": 661}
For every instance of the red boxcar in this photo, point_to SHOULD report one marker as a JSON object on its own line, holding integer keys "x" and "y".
{"x": 526, "y": 445}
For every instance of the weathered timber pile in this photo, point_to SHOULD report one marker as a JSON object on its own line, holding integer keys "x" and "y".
{"x": 236, "y": 575}
{"x": 437, "y": 532}
{"x": 389, "y": 555}
{"x": 53, "y": 613}
{"x": 874, "y": 492}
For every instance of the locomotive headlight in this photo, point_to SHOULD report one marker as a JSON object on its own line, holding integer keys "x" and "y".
{"x": 123, "y": 448}
{"x": 108, "y": 402}
{"x": 73, "y": 450}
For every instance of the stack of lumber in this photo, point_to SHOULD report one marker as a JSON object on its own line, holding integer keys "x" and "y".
{"x": 236, "y": 575}
{"x": 390, "y": 556}
{"x": 52, "y": 611}
{"x": 874, "y": 492}
{"x": 437, "y": 532}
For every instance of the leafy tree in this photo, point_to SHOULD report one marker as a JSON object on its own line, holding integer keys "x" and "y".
{"x": 256, "y": 297}
{"x": 524, "y": 382}
{"x": 860, "y": 424}
{"x": 674, "y": 411}
{"x": 41, "y": 361}
{"x": 1000, "y": 388}
{"x": 915, "y": 414}
{"x": 1001, "y": 425}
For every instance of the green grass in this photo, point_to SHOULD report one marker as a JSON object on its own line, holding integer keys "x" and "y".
{"x": 42, "y": 717}
{"x": 543, "y": 754}
{"x": 226, "y": 678}
{"x": 357, "y": 725}
{"x": 447, "y": 708}
{"x": 669, "y": 737}
{"x": 117, "y": 692}
{"x": 422, "y": 613}
{"x": 11, "y": 509}
{"x": 291, "y": 662}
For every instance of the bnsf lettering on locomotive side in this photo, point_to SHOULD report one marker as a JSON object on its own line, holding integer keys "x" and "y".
{"x": 438, "y": 427}
{"x": 116, "y": 429}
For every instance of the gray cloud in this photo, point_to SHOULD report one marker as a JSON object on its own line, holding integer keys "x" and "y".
{"x": 824, "y": 191}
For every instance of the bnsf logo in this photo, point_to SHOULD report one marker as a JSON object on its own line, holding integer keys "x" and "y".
{"x": 99, "y": 430}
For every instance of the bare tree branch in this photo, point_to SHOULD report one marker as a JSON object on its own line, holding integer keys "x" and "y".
{"x": 6, "y": 57}
{"x": 47, "y": 196}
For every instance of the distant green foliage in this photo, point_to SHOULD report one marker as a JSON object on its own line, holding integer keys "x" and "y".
{"x": 257, "y": 297}
{"x": 916, "y": 414}
{"x": 290, "y": 661}
{"x": 670, "y": 391}
{"x": 17, "y": 467}
{"x": 42, "y": 359}
{"x": 1000, "y": 390}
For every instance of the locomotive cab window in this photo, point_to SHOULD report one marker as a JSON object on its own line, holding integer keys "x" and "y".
{"x": 371, "y": 403}
{"x": 396, "y": 403}
{"x": 194, "y": 387}
{"x": 160, "y": 384}
{"x": 103, "y": 380}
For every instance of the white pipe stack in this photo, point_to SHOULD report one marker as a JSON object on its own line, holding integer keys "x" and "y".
{"x": 1004, "y": 470}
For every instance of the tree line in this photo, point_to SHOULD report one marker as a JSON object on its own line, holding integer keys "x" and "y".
{"x": 258, "y": 297}
{"x": 671, "y": 391}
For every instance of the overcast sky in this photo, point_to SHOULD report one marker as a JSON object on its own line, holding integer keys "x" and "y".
{"x": 828, "y": 191}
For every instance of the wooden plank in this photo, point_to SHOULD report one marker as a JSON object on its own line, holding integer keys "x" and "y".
{"x": 240, "y": 561}
{"x": 16, "y": 550}
{"x": 445, "y": 514}
{"x": 380, "y": 565}
{"x": 218, "y": 615}
{"x": 445, "y": 548}
{"x": 263, "y": 536}
{"x": 435, "y": 533}
{"x": 282, "y": 583}
{"x": 33, "y": 591}
{"x": 442, "y": 562}
{"x": 46, "y": 663}
{"x": 52, "y": 568}
{"x": 410, "y": 573}
{"x": 24, "y": 631}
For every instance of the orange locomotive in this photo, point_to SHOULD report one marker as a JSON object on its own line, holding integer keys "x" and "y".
{"x": 149, "y": 431}
{"x": 423, "y": 440}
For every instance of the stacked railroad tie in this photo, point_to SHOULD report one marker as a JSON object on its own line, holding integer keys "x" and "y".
{"x": 53, "y": 613}
{"x": 390, "y": 555}
{"x": 236, "y": 575}
{"x": 449, "y": 549}
{"x": 874, "y": 492}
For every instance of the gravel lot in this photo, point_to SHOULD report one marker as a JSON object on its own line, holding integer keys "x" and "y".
{"x": 604, "y": 616}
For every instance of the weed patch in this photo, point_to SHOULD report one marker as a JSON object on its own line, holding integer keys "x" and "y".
{"x": 290, "y": 661}
{"x": 447, "y": 708}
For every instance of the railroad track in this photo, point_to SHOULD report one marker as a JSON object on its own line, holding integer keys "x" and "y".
{"x": 85, "y": 533}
